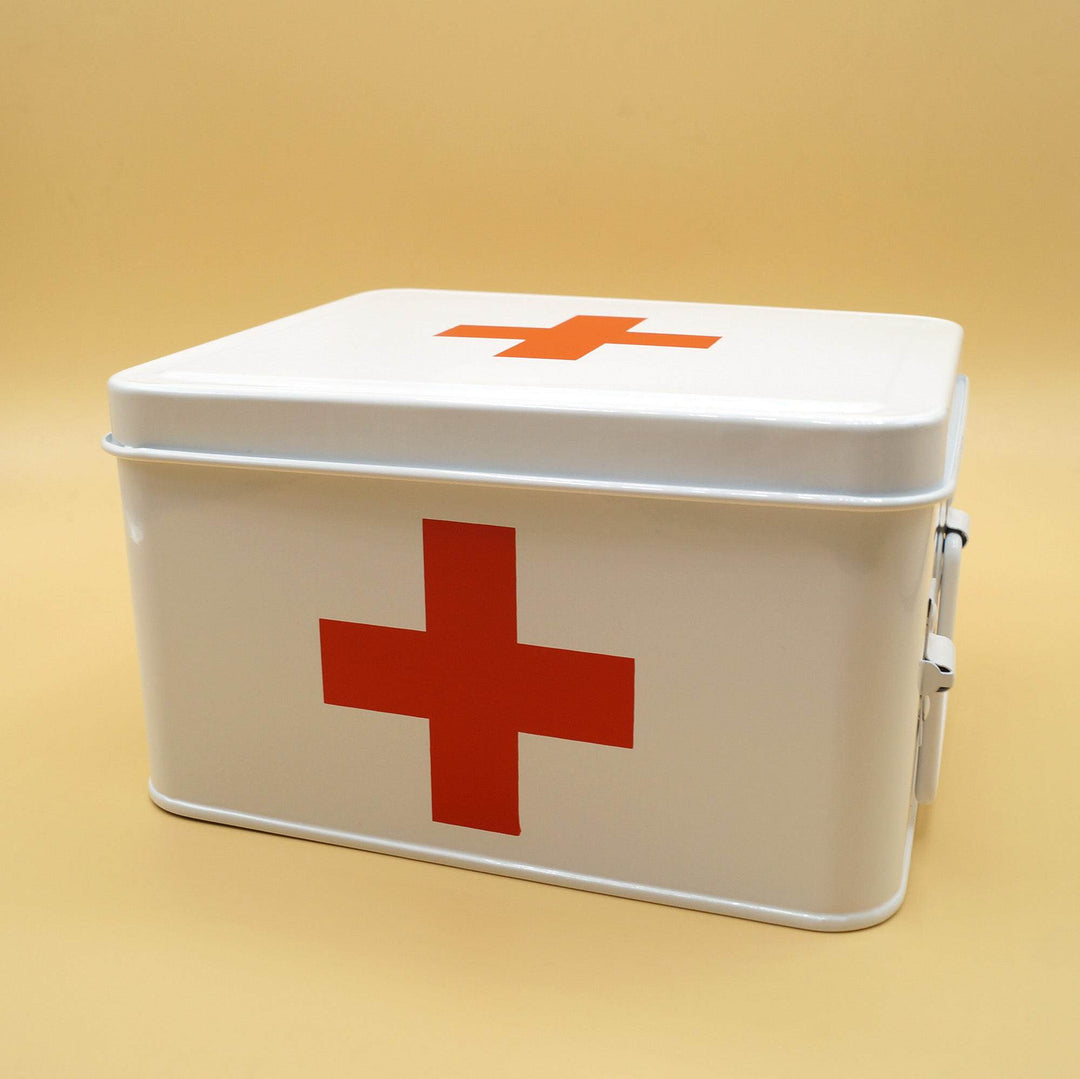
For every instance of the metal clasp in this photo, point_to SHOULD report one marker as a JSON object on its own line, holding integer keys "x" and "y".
{"x": 938, "y": 668}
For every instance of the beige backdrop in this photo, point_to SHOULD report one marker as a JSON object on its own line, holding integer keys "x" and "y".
{"x": 173, "y": 172}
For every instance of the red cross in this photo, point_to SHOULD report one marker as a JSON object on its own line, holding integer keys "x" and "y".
{"x": 471, "y": 679}
{"x": 577, "y": 337}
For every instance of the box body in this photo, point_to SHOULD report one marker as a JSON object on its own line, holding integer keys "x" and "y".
{"x": 718, "y": 706}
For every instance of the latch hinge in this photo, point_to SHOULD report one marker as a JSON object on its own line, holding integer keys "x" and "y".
{"x": 938, "y": 668}
{"x": 958, "y": 522}
{"x": 937, "y": 671}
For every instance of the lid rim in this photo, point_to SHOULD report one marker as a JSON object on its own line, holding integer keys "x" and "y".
{"x": 796, "y": 420}
{"x": 792, "y": 404}
{"x": 811, "y": 499}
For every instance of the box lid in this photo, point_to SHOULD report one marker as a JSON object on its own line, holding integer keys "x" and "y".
{"x": 702, "y": 400}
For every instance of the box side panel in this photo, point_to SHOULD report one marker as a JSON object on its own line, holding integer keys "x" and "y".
{"x": 880, "y": 636}
{"x": 775, "y": 662}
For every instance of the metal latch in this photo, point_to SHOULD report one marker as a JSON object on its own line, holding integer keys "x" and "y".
{"x": 938, "y": 667}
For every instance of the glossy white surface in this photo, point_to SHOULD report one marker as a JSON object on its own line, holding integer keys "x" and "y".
{"x": 776, "y": 654}
{"x": 786, "y": 401}
{"x": 689, "y": 507}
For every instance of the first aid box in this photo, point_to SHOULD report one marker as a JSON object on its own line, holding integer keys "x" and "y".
{"x": 645, "y": 598}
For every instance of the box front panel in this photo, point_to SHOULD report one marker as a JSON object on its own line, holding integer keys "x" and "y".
{"x": 710, "y": 699}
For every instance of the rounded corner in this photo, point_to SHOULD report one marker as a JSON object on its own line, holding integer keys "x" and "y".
{"x": 867, "y": 919}
{"x": 121, "y": 383}
{"x": 170, "y": 805}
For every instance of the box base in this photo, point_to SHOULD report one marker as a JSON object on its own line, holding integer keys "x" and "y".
{"x": 833, "y": 923}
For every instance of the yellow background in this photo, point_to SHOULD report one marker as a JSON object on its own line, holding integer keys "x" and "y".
{"x": 173, "y": 172}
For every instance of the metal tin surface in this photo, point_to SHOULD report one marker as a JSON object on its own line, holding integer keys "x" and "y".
{"x": 632, "y": 598}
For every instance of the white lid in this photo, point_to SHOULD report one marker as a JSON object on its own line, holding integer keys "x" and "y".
{"x": 788, "y": 405}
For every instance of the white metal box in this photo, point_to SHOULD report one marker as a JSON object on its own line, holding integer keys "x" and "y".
{"x": 625, "y": 595}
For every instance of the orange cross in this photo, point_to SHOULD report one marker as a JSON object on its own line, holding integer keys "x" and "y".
{"x": 577, "y": 337}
